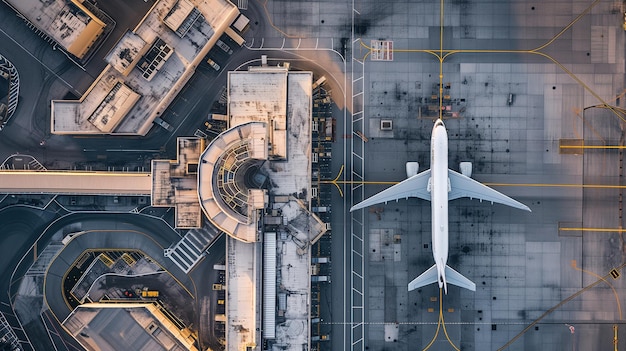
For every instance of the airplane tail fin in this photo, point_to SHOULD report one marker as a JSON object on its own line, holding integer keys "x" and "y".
{"x": 451, "y": 276}
{"x": 456, "y": 278}
{"x": 426, "y": 278}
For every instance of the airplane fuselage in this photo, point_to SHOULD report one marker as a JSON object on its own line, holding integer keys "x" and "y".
{"x": 439, "y": 198}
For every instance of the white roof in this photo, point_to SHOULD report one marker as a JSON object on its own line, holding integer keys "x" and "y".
{"x": 261, "y": 96}
{"x": 59, "y": 182}
{"x": 68, "y": 22}
{"x": 127, "y": 51}
{"x": 178, "y": 13}
{"x": 70, "y": 117}
{"x": 282, "y": 100}
{"x": 242, "y": 307}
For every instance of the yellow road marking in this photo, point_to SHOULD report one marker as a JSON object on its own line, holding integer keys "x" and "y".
{"x": 555, "y": 307}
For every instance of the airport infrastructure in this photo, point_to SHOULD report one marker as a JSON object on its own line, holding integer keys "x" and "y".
{"x": 280, "y": 101}
{"x": 9, "y": 94}
{"x": 175, "y": 183}
{"x": 146, "y": 69}
{"x": 76, "y": 183}
{"x": 252, "y": 182}
{"x": 94, "y": 324}
{"x": 530, "y": 93}
{"x": 76, "y": 26}
{"x": 144, "y": 325}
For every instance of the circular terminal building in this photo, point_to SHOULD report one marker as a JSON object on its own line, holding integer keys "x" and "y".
{"x": 226, "y": 177}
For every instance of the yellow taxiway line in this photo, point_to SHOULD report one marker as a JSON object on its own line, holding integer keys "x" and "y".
{"x": 441, "y": 324}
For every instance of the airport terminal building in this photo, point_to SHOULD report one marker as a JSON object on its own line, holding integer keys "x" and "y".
{"x": 76, "y": 27}
{"x": 253, "y": 183}
{"x": 147, "y": 68}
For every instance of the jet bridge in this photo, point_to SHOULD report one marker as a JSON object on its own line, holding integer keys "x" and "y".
{"x": 75, "y": 182}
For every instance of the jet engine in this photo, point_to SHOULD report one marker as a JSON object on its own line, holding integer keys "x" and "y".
{"x": 411, "y": 169}
{"x": 466, "y": 169}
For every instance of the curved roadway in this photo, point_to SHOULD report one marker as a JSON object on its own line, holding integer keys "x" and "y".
{"x": 105, "y": 239}
{"x": 20, "y": 226}
{"x": 23, "y": 225}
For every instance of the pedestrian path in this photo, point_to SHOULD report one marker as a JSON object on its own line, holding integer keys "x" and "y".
{"x": 190, "y": 249}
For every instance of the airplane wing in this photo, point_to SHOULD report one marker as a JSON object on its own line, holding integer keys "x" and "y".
{"x": 416, "y": 186}
{"x": 462, "y": 186}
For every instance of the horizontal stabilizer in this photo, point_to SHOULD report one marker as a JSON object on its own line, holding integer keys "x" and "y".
{"x": 462, "y": 186}
{"x": 416, "y": 186}
{"x": 455, "y": 278}
{"x": 426, "y": 278}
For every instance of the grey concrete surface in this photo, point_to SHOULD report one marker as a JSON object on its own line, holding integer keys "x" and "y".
{"x": 522, "y": 263}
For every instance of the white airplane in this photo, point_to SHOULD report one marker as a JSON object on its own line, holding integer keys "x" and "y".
{"x": 440, "y": 185}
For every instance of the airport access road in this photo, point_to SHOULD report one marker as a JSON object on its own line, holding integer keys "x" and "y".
{"x": 22, "y": 220}
{"x": 21, "y": 226}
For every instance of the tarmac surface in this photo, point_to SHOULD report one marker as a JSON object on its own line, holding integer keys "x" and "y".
{"x": 523, "y": 79}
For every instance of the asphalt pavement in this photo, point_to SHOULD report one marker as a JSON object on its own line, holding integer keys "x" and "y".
{"x": 21, "y": 226}
{"x": 47, "y": 74}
